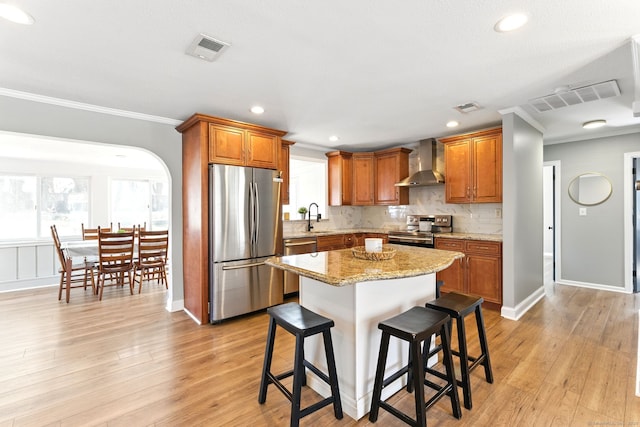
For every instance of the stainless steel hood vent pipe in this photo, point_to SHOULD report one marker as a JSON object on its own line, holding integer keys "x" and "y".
{"x": 428, "y": 173}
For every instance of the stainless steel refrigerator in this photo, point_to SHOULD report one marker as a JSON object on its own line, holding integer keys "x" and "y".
{"x": 246, "y": 228}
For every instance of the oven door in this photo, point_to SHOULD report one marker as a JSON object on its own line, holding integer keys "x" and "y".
{"x": 424, "y": 242}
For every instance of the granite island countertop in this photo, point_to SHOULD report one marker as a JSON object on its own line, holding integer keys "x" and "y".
{"x": 341, "y": 268}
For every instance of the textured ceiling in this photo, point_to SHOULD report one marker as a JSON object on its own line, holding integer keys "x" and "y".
{"x": 376, "y": 73}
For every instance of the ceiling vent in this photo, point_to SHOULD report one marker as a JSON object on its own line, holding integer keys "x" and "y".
{"x": 206, "y": 47}
{"x": 468, "y": 107}
{"x": 563, "y": 97}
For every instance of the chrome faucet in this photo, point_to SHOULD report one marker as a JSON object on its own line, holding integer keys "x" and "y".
{"x": 318, "y": 216}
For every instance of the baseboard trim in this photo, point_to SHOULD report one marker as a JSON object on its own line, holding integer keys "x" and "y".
{"x": 597, "y": 286}
{"x": 515, "y": 313}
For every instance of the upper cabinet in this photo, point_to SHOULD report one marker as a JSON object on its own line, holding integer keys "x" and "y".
{"x": 237, "y": 143}
{"x": 473, "y": 166}
{"x": 368, "y": 178}
{"x": 283, "y": 167}
{"x": 390, "y": 167}
{"x": 340, "y": 165}
{"x": 363, "y": 179}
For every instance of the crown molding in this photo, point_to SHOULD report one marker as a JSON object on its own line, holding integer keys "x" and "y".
{"x": 87, "y": 107}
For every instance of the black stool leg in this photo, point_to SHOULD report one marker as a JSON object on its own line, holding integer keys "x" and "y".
{"x": 447, "y": 361}
{"x": 298, "y": 374}
{"x": 266, "y": 368}
{"x": 417, "y": 371}
{"x": 483, "y": 345}
{"x": 377, "y": 385}
{"x": 464, "y": 362}
{"x": 333, "y": 374}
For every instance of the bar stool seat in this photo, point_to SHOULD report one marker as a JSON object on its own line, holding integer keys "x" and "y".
{"x": 458, "y": 306}
{"x": 302, "y": 323}
{"x": 415, "y": 326}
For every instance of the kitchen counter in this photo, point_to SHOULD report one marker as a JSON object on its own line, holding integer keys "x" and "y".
{"x": 470, "y": 236}
{"x": 297, "y": 234}
{"x": 357, "y": 294}
{"x": 340, "y": 267}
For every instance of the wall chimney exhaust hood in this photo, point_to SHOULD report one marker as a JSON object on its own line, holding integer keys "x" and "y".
{"x": 428, "y": 173}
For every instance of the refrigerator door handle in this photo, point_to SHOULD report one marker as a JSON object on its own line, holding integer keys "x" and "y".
{"x": 252, "y": 212}
{"x": 237, "y": 267}
{"x": 256, "y": 217}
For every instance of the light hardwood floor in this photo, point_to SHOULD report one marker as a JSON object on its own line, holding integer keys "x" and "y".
{"x": 126, "y": 361}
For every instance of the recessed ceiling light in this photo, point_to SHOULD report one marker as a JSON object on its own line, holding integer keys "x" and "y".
{"x": 452, "y": 124}
{"x": 15, "y": 14}
{"x": 256, "y": 109}
{"x": 511, "y": 22}
{"x": 594, "y": 124}
{"x": 334, "y": 138}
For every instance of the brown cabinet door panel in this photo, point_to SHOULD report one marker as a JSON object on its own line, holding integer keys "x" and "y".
{"x": 226, "y": 145}
{"x": 458, "y": 168}
{"x": 262, "y": 150}
{"x": 453, "y": 277}
{"x": 363, "y": 179}
{"x": 487, "y": 171}
{"x": 484, "y": 276}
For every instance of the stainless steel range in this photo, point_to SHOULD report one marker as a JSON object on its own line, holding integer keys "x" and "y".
{"x": 420, "y": 230}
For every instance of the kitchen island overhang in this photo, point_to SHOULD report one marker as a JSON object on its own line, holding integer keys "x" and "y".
{"x": 357, "y": 294}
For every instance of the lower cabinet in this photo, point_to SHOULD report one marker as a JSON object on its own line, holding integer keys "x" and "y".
{"x": 478, "y": 273}
{"x": 348, "y": 240}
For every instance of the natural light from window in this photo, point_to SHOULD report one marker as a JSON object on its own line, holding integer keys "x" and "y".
{"x": 307, "y": 184}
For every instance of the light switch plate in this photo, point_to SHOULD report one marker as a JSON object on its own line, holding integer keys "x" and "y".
{"x": 583, "y": 211}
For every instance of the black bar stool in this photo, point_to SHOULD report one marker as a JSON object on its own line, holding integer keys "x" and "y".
{"x": 458, "y": 306}
{"x": 302, "y": 323}
{"x": 415, "y": 326}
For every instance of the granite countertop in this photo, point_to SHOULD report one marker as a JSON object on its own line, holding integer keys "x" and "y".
{"x": 296, "y": 234}
{"x": 340, "y": 267}
{"x": 470, "y": 236}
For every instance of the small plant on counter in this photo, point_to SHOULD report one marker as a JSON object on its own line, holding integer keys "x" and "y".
{"x": 302, "y": 211}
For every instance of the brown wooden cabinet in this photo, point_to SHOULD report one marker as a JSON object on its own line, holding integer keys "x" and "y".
{"x": 330, "y": 242}
{"x": 478, "y": 273}
{"x": 240, "y": 145}
{"x": 340, "y": 166}
{"x": 363, "y": 178}
{"x": 372, "y": 177}
{"x": 473, "y": 166}
{"x": 390, "y": 167}
{"x": 283, "y": 167}
{"x": 208, "y": 139}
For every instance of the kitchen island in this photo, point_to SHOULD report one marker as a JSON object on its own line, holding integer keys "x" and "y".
{"x": 357, "y": 294}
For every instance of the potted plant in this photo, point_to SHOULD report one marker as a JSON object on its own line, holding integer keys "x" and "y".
{"x": 302, "y": 211}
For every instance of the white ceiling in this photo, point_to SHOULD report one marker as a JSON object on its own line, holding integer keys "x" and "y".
{"x": 377, "y": 73}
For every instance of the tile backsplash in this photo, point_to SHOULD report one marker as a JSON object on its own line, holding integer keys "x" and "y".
{"x": 485, "y": 218}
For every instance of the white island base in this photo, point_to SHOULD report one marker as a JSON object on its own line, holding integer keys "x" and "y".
{"x": 356, "y": 310}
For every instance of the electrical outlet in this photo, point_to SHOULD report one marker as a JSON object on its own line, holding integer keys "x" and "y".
{"x": 498, "y": 213}
{"x": 583, "y": 211}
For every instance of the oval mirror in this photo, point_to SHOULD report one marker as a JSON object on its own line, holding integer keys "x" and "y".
{"x": 589, "y": 189}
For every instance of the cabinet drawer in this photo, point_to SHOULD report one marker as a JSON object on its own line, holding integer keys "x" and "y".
{"x": 450, "y": 244}
{"x": 482, "y": 247}
{"x": 328, "y": 243}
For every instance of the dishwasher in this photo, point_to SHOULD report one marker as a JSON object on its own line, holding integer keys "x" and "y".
{"x": 295, "y": 246}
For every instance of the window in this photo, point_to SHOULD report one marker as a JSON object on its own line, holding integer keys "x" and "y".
{"x": 307, "y": 184}
{"x": 30, "y": 204}
{"x": 140, "y": 202}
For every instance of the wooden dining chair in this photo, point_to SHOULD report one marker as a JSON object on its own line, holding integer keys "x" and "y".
{"x": 80, "y": 272}
{"x": 92, "y": 233}
{"x": 115, "y": 255}
{"x": 152, "y": 257}
{"x": 133, "y": 228}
